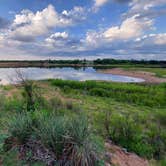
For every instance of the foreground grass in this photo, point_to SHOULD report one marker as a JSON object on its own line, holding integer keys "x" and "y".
{"x": 134, "y": 122}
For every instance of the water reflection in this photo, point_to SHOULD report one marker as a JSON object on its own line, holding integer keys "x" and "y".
{"x": 66, "y": 73}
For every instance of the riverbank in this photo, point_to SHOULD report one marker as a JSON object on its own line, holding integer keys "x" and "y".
{"x": 147, "y": 76}
{"x": 78, "y": 63}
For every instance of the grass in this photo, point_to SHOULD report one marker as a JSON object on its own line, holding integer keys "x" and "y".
{"x": 159, "y": 72}
{"x": 139, "y": 94}
{"x": 135, "y": 121}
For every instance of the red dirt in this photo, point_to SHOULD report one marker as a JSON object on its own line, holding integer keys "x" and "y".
{"x": 147, "y": 76}
{"x": 119, "y": 157}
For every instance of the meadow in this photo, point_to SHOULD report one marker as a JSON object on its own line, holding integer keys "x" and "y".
{"x": 131, "y": 115}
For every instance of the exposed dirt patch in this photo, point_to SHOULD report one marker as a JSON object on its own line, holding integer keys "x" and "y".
{"x": 147, "y": 76}
{"x": 119, "y": 157}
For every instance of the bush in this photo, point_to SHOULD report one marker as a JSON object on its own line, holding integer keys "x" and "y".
{"x": 128, "y": 132}
{"x": 99, "y": 92}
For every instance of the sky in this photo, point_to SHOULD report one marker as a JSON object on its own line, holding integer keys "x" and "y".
{"x": 82, "y": 29}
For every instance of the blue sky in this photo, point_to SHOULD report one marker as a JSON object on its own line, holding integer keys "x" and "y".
{"x": 61, "y": 29}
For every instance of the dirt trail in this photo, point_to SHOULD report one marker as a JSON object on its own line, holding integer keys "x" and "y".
{"x": 147, "y": 76}
{"x": 119, "y": 157}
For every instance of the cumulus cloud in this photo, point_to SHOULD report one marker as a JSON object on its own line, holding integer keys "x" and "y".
{"x": 133, "y": 38}
{"x": 130, "y": 28}
{"x": 28, "y": 25}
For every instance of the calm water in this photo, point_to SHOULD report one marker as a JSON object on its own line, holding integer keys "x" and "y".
{"x": 8, "y": 75}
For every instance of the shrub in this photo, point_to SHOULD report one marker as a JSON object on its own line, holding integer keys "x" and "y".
{"x": 99, "y": 92}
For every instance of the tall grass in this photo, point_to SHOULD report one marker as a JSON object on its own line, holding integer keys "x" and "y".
{"x": 70, "y": 139}
{"x": 21, "y": 127}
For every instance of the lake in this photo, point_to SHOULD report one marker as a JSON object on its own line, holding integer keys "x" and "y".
{"x": 8, "y": 75}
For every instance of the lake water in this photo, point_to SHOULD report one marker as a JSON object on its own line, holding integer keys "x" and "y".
{"x": 8, "y": 75}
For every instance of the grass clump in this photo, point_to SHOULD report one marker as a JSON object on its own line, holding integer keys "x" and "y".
{"x": 21, "y": 127}
{"x": 70, "y": 140}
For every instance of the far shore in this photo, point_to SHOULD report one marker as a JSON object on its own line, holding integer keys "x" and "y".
{"x": 77, "y": 63}
{"x": 147, "y": 76}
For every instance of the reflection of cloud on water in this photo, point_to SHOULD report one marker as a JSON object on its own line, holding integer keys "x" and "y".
{"x": 62, "y": 73}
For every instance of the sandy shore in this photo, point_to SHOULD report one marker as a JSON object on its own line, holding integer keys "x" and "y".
{"x": 147, "y": 76}
{"x": 118, "y": 156}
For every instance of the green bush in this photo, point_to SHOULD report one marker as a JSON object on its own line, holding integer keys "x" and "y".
{"x": 99, "y": 92}
{"x": 128, "y": 132}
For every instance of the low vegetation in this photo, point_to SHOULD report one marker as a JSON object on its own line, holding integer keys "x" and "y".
{"x": 70, "y": 121}
{"x": 148, "y": 95}
{"x": 159, "y": 72}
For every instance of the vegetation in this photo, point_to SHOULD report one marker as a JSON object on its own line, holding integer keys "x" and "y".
{"x": 148, "y": 95}
{"x": 83, "y": 62}
{"x": 69, "y": 140}
{"x": 71, "y": 119}
{"x": 159, "y": 72}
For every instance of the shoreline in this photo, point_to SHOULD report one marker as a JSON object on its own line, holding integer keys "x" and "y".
{"x": 147, "y": 76}
{"x": 46, "y": 64}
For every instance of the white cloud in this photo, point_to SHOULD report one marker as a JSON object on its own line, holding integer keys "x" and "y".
{"x": 61, "y": 41}
{"x": 160, "y": 39}
{"x": 76, "y": 14}
{"x": 99, "y": 3}
{"x": 145, "y": 8}
{"x": 130, "y": 28}
{"x": 59, "y": 35}
{"x": 94, "y": 39}
{"x": 57, "y": 38}
{"x": 139, "y": 5}
{"x": 28, "y": 25}
{"x": 153, "y": 39}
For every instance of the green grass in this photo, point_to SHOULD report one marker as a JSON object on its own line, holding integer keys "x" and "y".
{"x": 135, "y": 120}
{"x": 132, "y": 115}
{"x": 159, "y": 72}
{"x": 139, "y": 94}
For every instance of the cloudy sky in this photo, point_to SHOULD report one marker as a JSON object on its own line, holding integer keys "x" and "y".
{"x": 71, "y": 29}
